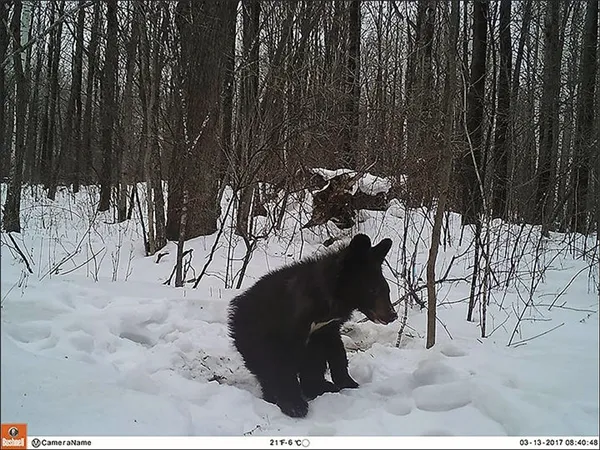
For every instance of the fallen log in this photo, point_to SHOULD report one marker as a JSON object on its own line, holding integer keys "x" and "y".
{"x": 344, "y": 193}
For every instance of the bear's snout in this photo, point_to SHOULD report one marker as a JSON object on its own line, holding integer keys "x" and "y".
{"x": 383, "y": 315}
{"x": 389, "y": 317}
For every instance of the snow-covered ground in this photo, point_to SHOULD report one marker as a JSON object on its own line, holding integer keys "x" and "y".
{"x": 93, "y": 342}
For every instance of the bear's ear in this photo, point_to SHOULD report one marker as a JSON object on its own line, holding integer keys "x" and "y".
{"x": 360, "y": 244}
{"x": 381, "y": 250}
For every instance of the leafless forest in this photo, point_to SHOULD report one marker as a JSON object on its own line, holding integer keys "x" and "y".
{"x": 490, "y": 109}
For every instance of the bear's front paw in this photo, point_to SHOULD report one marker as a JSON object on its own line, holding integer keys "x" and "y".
{"x": 313, "y": 390}
{"x": 328, "y": 386}
{"x": 347, "y": 383}
{"x": 293, "y": 408}
{"x": 269, "y": 397}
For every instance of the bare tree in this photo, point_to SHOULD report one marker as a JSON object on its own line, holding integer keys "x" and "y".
{"x": 71, "y": 133}
{"x": 153, "y": 37}
{"x": 50, "y": 158}
{"x": 549, "y": 107}
{"x": 249, "y": 118}
{"x": 4, "y": 43}
{"x": 35, "y": 60}
{"x": 12, "y": 207}
{"x": 109, "y": 107}
{"x": 446, "y": 156}
{"x": 503, "y": 116}
{"x": 420, "y": 152}
{"x": 472, "y": 159}
{"x": 89, "y": 130}
{"x": 586, "y": 144}
{"x": 76, "y": 91}
{"x": 126, "y": 137}
{"x": 202, "y": 29}
{"x": 229, "y": 91}
{"x": 351, "y": 119}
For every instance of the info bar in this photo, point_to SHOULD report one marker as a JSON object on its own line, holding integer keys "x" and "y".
{"x": 310, "y": 442}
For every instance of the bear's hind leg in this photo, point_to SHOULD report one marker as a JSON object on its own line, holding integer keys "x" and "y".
{"x": 284, "y": 390}
{"x": 277, "y": 373}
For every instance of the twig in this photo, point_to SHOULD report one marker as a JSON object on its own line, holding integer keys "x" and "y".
{"x": 214, "y": 246}
{"x": 538, "y": 335}
{"x": 33, "y": 40}
{"x": 505, "y": 320}
{"x": 168, "y": 282}
{"x": 72, "y": 255}
{"x": 445, "y": 327}
{"x": 570, "y": 308}
{"x": 85, "y": 262}
{"x": 20, "y": 253}
{"x": 248, "y": 433}
{"x": 139, "y": 205}
{"x": 403, "y": 323}
{"x": 566, "y": 287}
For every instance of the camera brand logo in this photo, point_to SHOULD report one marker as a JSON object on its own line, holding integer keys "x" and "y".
{"x": 14, "y": 435}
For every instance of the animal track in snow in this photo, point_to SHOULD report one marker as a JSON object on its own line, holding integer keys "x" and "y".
{"x": 137, "y": 338}
{"x": 398, "y": 406}
{"x": 31, "y": 332}
{"x": 82, "y": 341}
{"x": 442, "y": 397}
{"x": 451, "y": 350}
{"x": 434, "y": 372}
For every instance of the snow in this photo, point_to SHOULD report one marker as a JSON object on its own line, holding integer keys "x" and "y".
{"x": 98, "y": 345}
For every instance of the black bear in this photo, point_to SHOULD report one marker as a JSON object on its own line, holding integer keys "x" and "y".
{"x": 287, "y": 325}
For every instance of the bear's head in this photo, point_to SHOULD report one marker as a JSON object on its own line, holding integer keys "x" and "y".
{"x": 364, "y": 284}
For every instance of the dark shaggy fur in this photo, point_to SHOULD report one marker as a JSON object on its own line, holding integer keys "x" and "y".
{"x": 287, "y": 325}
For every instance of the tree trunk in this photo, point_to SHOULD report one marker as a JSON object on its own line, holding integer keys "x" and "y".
{"x": 51, "y": 160}
{"x": 77, "y": 84}
{"x": 108, "y": 112}
{"x": 475, "y": 273}
{"x": 12, "y": 206}
{"x": 244, "y": 185}
{"x": 519, "y": 58}
{"x": 45, "y": 157}
{"x": 352, "y": 97}
{"x": 228, "y": 96}
{"x": 67, "y": 131}
{"x": 420, "y": 152}
{"x": 4, "y": 155}
{"x": 202, "y": 32}
{"x": 446, "y": 157}
{"x": 125, "y": 149}
{"x": 146, "y": 22}
{"x": 333, "y": 78}
{"x": 181, "y": 241}
{"x": 503, "y": 115}
{"x": 472, "y": 160}
{"x": 585, "y": 143}
{"x": 31, "y": 164}
{"x": 155, "y": 175}
{"x": 69, "y": 138}
{"x": 88, "y": 116}
{"x": 549, "y": 109}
